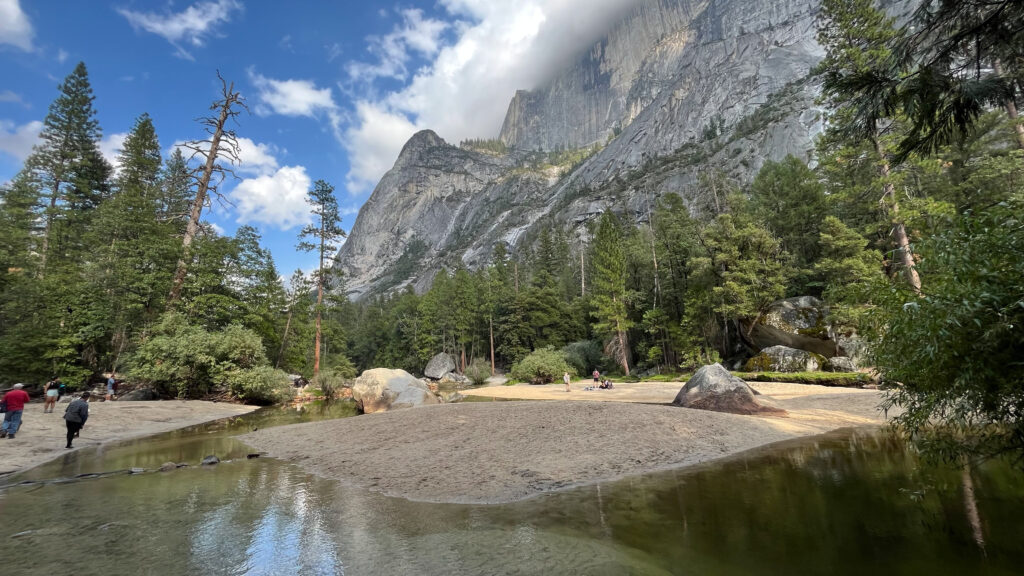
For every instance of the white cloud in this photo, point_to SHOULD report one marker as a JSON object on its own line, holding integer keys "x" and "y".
{"x": 295, "y": 98}
{"x": 62, "y": 56}
{"x": 290, "y": 97}
{"x": 110, "y": 147}
{"x": 13, "y": 97}
{"x": 277, "y": 199}
{"x": 465, "y": 88}
{"x": 190, "y": 27}
{"x": 255, "y": 158}
{"x": 416, "y": 33}
{"x": 15, "y": 28}
{"x": 373, "y": 141}
{"x": 17, "y": 141}
{"x": 217, "y": 228}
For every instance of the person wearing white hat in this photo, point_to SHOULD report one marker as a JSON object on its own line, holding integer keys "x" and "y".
{"x": 14, "y": 404}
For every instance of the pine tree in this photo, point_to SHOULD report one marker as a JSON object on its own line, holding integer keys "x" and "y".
{"x": 857, "y": 37}
{"x": 67, "y": 166}
{"x": 609, "y": 295}
{"x": 323, "y": 233}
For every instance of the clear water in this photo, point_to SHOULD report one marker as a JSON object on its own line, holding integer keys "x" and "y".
{"x": 850, "y": 503}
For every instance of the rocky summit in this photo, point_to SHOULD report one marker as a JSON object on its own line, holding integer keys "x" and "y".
{"x": 674, "y": 87}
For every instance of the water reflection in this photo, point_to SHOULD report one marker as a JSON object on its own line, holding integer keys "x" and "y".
{"x": 853, "y": 503}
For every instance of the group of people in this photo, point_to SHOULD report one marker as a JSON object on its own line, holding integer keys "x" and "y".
{"x": 606, "y": 385}
{"x": 75, "y": 415}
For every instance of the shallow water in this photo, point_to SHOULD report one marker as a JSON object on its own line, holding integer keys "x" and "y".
{"x": 851, "y": 503}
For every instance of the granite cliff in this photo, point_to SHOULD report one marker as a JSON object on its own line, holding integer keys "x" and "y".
{"x": 675, "y": 87}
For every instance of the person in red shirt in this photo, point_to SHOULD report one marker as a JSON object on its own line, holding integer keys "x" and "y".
{"x": 15, "y": 401}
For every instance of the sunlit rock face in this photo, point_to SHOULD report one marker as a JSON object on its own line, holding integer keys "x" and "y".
{"x": 675, "y": 87}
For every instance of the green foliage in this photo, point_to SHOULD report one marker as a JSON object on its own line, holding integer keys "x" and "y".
{"x": 332, "y": 380}
{"x": 790, "y": 200}
{"x": 542, "y": 366}
{"x": 189, "y": 361}
{"x": 260, "y": 385}
{"x": 843, "y": 379}
{"x": 478, "y": 371}
{"x": 585, "y": 356}
{"x": 953, "y": 353}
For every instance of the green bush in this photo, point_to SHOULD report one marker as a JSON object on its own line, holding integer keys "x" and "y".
{"x": 260, "y": 385}
{"x": 187, "y": 361}
{"x": 478, "y": 371}
{"x": 846, "y": 379}
{"x": 584, "y": 356}
{"x": 542, "y": 366}
{"x": 330, "y": 381}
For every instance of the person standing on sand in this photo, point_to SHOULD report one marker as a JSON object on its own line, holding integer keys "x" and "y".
{"x": 52, "y": 390}
{"x": 15, "y": 401}
{"x": 111, "y": 383}
{"x": 75, "y": 415}
{"x": 566, "y": 378}
{"x": 597, "y": 377}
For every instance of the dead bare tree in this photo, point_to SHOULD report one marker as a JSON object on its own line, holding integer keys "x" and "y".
{"x": 220, "y": 144}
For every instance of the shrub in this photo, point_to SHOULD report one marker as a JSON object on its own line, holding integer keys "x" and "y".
{"x": 478, "y": 371}
{"x": 260, "y": 385}
{"x": 332, "y": 380}
{"x": 584, "y": 356}
{"x": 542, "y": 366}
{"x": 186, "y": 360}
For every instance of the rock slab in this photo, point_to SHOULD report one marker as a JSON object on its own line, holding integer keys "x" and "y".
{"x": 383, "y": 389}
{"x": 714, "y": 388}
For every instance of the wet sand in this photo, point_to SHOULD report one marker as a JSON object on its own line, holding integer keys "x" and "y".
{"x": 42, "y": 436}
{"x": 494, "y": 452}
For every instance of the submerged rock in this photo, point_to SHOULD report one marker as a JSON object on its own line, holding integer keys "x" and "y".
{"x": 383, "y": 389}
{"x": 440, "y": 365}
{"x": 714, "y": 388}
{"x": 168, "y": 466}
{"x": 210, "y": 460}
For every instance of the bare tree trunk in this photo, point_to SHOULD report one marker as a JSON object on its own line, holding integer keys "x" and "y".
{"x": 583, "y": 275}
{"x": 319, "y": 300}
{"x": 490, "y": 326}
{"x": 624, "y": 351}
{"x": 48, "y": 228}
{"x": 906, "y": 257}
{"x": 463, "y": 356}
{"x": 654, "y": 252}
{"x": 230, "y": 100}
{"x": 516, "y": 269}
{"x": 971, "y": 506}
{"x": 1011, "y": 111}
{"x": 284, "y": 338}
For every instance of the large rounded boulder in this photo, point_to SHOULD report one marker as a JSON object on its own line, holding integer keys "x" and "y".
{"x": 383, "y": 389}
{"x": 714, "y": 388}
{"x": 439, "y": 365}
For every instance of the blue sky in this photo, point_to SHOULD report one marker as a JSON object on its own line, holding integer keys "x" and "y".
{"x": 334, "y": 88}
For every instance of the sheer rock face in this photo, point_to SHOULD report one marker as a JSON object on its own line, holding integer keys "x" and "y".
{"x": 675, "y": 86}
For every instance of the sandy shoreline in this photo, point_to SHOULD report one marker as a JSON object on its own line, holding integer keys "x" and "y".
{"x": 506, "y": 451}
{"x": 42, "y": 436}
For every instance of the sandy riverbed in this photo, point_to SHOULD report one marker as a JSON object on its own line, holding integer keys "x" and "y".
{"x": 42, "y": 436}
{"x": 491, "y": 452}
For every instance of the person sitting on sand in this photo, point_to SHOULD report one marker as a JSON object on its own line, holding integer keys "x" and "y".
{"x": 606, "y": 385}
{"x": 75, "y": 415}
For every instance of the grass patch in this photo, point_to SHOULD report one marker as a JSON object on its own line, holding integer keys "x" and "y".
{"x": 845, "y": 379}
{"x": 670, "y": 377}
